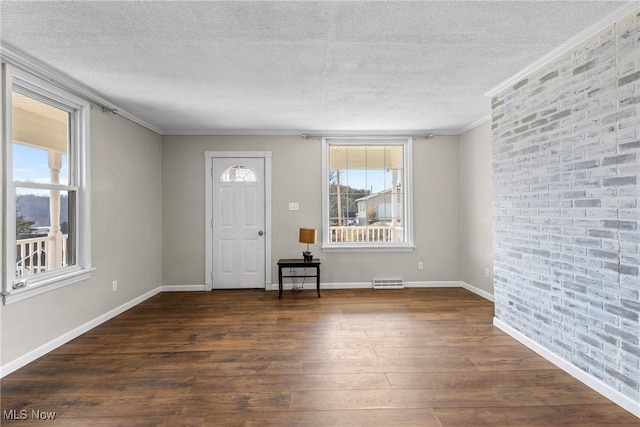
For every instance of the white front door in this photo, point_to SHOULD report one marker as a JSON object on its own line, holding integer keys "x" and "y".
{"x": 238, "y": 223}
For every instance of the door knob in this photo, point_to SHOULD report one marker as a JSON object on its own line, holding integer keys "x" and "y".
{"x": 260, "y": 233}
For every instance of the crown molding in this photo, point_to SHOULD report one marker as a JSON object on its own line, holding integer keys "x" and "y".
{"x": 19, "y": 59}
{"x": 223, "y": 132}
{"x": 314, "y": 133}
{"x": 568, "y": 45}
{"x": 475, "y": 124}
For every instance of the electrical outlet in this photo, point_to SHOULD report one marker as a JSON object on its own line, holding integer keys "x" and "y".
{"x": 294, "y": 206}
{"x": 420, "y": 265}
{"x": 114, "y": 285}
{"x": 486, "y": 273}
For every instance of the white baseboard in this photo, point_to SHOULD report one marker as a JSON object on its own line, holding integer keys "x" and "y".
{"x": 364, "y": 285}
{"x": 369, "y": 285}
{"x": 311, "y": 285}
{"x": 24, "y": 360}
{"x": 182, "y": 288}
{"x": 604, "y": 389}
{"x": 432, "y": 284}
{"x": 480, "y": 292}
{"x": 344, "y": 285}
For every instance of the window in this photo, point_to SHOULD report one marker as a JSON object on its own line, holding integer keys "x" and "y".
{"x": 46, "y": 187}
{"x": 238, "y": 174}
{"x": 367, "y": 194}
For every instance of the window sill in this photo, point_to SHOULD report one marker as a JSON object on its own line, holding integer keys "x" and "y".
{"x": 46, "y": 285}
{"x": 368, "y": 248}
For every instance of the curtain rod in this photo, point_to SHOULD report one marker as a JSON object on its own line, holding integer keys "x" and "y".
{"x": 307, "y": 136}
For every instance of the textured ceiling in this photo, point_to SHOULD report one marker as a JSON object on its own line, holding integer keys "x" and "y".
{"x": 198, "y": 67}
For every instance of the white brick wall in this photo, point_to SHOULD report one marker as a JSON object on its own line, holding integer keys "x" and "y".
{"x": 566, "y": 183}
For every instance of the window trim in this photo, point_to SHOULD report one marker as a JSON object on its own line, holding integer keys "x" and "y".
{"x": 406, "y": 246}
{"x": 79, "y": 181}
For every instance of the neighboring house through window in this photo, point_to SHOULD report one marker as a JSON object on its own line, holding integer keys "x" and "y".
{"x": 46, "y": 186}
{"x": 367, "y": 194}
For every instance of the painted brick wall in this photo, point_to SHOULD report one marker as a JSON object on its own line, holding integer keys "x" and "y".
{"x": 566, "y": 184}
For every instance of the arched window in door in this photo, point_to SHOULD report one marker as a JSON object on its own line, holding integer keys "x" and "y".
{"x": 238, "y": 173}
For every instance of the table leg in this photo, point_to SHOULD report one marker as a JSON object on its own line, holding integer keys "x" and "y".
{"x": 318, "y": 280}
{"x": 279, "y": 281}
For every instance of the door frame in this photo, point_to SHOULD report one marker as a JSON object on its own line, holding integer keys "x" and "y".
{"x": 208, "y": 217}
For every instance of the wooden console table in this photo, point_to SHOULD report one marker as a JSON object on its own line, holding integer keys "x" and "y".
{"x": 298, "y": 264}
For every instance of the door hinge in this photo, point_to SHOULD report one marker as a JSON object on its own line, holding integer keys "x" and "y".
{"x": 211, "y": 224}
{"x": 211, "y": 172}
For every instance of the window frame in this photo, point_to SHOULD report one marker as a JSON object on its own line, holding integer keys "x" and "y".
{"x": 407, "y": 203}
{"x": 79, "y": 182}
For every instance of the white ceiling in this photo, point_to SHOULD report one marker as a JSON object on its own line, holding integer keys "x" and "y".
{"x": 236, "y": 66}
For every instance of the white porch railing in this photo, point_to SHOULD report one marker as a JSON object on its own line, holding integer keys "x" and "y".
{"x": 365, "y": 234}
{"x": 31, "y": 255}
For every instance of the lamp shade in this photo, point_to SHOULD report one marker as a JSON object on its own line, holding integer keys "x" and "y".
{"x": 308, "y": 235}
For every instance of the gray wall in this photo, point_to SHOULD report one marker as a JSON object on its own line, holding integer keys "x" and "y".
{"x": 296, "y": 177}
{"x": 566, "y": 185}
{"x": 126, "y": 239}
{"x": 476, "y": 237}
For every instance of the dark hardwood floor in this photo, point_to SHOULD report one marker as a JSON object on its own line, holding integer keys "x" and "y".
{"x": 413, "y": 357}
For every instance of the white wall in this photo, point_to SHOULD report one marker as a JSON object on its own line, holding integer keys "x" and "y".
{"x": 476, "y": 236}
{"x": 126, "y": 240}
{"x": 566, "y": 180}
{"x": 296, "y": 177}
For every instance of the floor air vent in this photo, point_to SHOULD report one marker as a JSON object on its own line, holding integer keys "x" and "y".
{"x": 388, "y": 284}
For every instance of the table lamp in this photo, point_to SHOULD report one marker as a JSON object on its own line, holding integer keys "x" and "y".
{"x": 308, "y": 236}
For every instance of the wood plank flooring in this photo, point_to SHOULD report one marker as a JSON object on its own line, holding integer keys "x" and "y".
{"x": 413, "y": 357}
